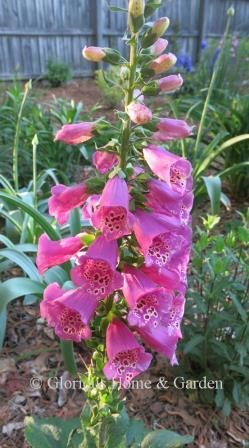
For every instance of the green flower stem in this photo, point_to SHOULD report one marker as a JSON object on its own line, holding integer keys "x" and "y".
{"x": 128, "y": 98}
{"x": 68, "y": 356}
{"x": 27, "y": 89}
{"x": 34, "y": 144}
{"x": 211, "y": 87}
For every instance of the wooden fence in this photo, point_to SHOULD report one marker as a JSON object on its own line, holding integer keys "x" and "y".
{"x": 32, "y": 31}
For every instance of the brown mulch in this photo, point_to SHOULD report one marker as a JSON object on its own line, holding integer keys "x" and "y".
{"x": 31, "y": 350}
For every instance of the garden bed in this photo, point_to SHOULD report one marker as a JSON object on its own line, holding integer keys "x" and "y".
{"x": 31, "y": 350}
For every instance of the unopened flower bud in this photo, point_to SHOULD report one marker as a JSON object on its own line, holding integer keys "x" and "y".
{"x": 151, "y": 6}
{"x": 159, "y": 46}
{"x": 139, "y": 113}
{"x": 160, "y": 65}
{"x": 157, "y": 30}
{"x": 231, "y": 11}
{"x": 94, "y": 54}
{"x": 97, "y": 54}
{"x": 112, "y": 56}
{"x": 170, "y": 83}
{"x": 136, "y": 15}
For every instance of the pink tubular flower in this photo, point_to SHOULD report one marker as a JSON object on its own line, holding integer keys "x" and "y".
{"x": 172, "y": 169}
{"x": 148, "y": 303}
{"x": 139, "y": 113}
{"x": 73, "y": 134}
{"x": 51, "y": 253}
{"x": 96, "y": 270}
{"x": 94, "y": 54}
{"x": 112, "y": 216}
{"x": 171, "y": 129}
{"x": 162, "y": 199}
{"x": 159, "y": 46}
{"x": 164, "y": 338}
{"x": 105, "y": 161}
{"x": 127, "y": 358}
{"x": 170, "y": 83}
{"x": 163, "y": 63}
{"x": 69, "y": 312}
{"x": 65, "y": 199}
{"x": 167, "y": 278}
{"x": 159, "y": 237}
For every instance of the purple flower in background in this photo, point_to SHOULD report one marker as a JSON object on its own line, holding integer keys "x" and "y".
{"x": 185, "y": 61}
{"x": 204, "y": 44}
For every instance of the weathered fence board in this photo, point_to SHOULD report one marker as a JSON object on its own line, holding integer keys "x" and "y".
{"x": 32, "y": 31}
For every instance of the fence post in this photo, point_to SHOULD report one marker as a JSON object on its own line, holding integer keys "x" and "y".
{"x": 201, "y": 28}
{"x": 99, "y": 24}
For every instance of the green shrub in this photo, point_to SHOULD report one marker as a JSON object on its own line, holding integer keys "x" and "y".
{"x": 216, "y": 330}
{"x": 109, "y": 84}
{"x": 58, "y": 73}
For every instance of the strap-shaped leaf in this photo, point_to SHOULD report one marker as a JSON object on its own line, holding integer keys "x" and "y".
{"x": 213, "y": 186}
{"x": 17, "y": 287}
{"x": 21, "y": 260}
{"x": 31, "y": 211}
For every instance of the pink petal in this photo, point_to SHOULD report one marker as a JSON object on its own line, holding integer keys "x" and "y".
{"x": 104, "y": 161}
{"x": 65, "y": 199}
{"x": 51, "y": 253}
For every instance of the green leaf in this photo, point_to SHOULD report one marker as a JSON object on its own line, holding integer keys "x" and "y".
{"x": 10, "y": 290}
{"x": 75, "y": 224}
{"x": 17, "y": 287}
{"x": 214, "y": 154}
{"x": 3, "y": 322}
{"x": 56, "y": 274}
{"x": 6, "y": 241}
{"x": 213, "y": 186}
{"x": 237, "y": 393}
{"x": 31, "y": 211}
{"x": 165, "y": 439}
{"x": 7, "y": 185}
{"x": 226, "y": 409}
{"x": 23, "y": 261}
{"x": 236, "y": 167}
{"x": 136, "y": 432}
{"x": 49, "y": 432}
{"x": 239, "y": 307}
{"x": 30, "y": 299}
{"x": 193, "y": 342}
{"x": 116, "y": 429}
